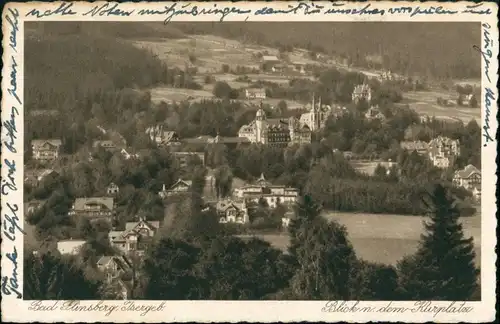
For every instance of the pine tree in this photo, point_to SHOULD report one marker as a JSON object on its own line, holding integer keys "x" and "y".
{"x": 305, "y": 212}
{"x": 443, "y": 267}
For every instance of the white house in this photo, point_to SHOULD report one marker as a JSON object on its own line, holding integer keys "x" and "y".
{"x": 71, "y": 247}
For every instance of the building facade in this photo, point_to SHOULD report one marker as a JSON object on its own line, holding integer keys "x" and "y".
{"x": 70, "y": 247}
{"x": 46, "y": 150}
{"x": 274, "y": 195}
{"x": 468, "y": 178}
{"x": 362, "y": 92}
{"x": 105, "y": 144}
{"x": 276, "y": 132}
{"x": 179, "y": 187}
{"x": 94, "y": 208}
{"x": 112, "y": 189}
{"x": 136, "y": 236}
{"x": 420, "y": 147}
{"x": 443, "y": 151}
{"x": 255, "y": 93}
{"x": 230, "y": 211}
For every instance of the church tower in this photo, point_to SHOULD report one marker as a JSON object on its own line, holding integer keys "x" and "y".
{"x": 260, "y": 125}
{"x": 313, "y": 114}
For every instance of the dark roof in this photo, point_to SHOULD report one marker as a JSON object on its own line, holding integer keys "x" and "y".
{"x": 467, "y": 171}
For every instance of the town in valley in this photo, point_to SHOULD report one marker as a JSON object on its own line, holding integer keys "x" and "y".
{"x": 248, "y": 161}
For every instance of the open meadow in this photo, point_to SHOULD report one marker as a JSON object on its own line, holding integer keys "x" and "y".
{"x": 425, "y": 103}
{"x": 384, "y": 238}
{"x": 209, "y": 52}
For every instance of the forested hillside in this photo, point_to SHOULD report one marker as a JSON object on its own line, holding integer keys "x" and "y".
{"x": 439, "y": 50}
{"x": 71, "y": 61}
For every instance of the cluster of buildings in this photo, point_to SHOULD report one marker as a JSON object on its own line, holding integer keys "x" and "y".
{"x": 236, "y": 208}
{"x": 442, "y": 151}
{"x": 281, "y": 132}
{"x": 275, "y": 131}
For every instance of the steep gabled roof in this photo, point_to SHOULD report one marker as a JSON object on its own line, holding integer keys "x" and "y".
{"x": 151, "y": 224}
{"x": 468, "y": 171}
{"x": 39, "y": 143}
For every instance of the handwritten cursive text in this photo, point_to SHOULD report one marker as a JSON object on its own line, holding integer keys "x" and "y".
{"x": 11, "y": 222}
{"x": 10, "y": 284}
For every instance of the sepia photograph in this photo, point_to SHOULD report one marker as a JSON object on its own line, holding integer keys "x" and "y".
{"x": 248, "y": 162}
{"x": 252, "y": 161}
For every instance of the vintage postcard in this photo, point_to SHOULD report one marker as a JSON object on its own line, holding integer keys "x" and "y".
{"x": 249, "y": 162}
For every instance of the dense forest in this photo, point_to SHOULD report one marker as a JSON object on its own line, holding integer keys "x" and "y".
{"x": 437, "y": 50}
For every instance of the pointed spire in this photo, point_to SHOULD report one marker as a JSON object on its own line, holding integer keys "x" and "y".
{"x": 262, "y": 177}
{"x": 163, "y": 188}
{"x": 313, "y": 107}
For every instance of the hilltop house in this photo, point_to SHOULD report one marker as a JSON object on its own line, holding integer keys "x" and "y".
{"x": 94, "y": 208}
{"x": 136, "y": 236}
{"x": 180, "y": 187}
{"x": 468, "y": 178}
{"x": 272, "y": 194}
{"x": 46, "y": 150}
{"x": 230, "y": 211}
{"x": 362, "y": 92}
{"x": 255, "y": 93}
{"x": 71, "y": 247}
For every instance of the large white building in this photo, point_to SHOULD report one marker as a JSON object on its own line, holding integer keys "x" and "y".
{"x": 279, "y": 132}
{"x": 362, "y": 92}
{"x": 443, "y": 150}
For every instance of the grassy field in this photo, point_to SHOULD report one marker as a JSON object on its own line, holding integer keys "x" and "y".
{"x": 169, "y": 94}
{"x": 424, "y": 102}
{"x": 210, "y": 52}
{"x": 384, "y": 238}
